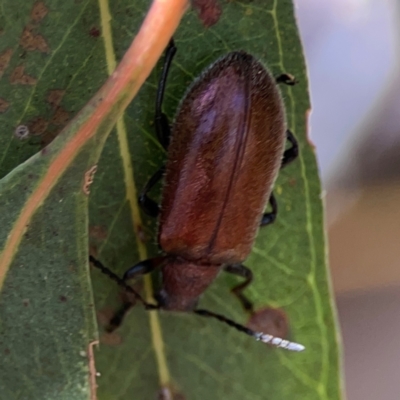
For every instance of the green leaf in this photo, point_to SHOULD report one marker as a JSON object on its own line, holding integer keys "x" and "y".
{"x": 58, "y": 77}
{"x": 205, "y": 359}
{"x": 46, "y": 305}
{"x": 45, "y": 316}
{"x": 47, "y": 319}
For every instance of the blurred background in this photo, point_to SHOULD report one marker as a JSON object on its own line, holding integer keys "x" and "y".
{"x": 353, "y": 54}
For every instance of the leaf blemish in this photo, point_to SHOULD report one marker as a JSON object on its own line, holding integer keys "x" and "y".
{"x": 98, "y": 232}
{"x": 209, "y": 11}
{"x": 5, "y": 58}
{"x": 104, "y": 315}
{"x": 39, "y": 11}
{"x": 272, "y": 321}
{"x": 93, "y": 250}
{"x": 60, "y": 117}
{"x": 94, "y": 32}
{"x": 89, "y": 176}
{"x": 37, "y": 126}
{"x": 3, "y": 105}
{"x": 111, "y": 339}
{"x": 54, "y": 97}
{"x": 30, "y": 41}
{"x": 19, "y": 77}
{"x": 21, "y": 132}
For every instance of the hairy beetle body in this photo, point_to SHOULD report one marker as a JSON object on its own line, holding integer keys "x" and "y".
{"x": 226, "y": 148}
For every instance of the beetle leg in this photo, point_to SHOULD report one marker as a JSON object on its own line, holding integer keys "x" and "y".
{"x": 149, "y": 206}
{"x": 244, "y": 272}
{"x": 286, "y": 79}
{"x": 161, "y": 120}
{"x": 143, "y": 267}
{"x": 269, "y": 218}
{"x": 288, "y": 156}
{"x": 292, "y": 153}
{"x": 119, "y": 315}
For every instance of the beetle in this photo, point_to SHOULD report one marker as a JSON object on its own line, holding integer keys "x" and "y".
{"x": 225, "y": 149}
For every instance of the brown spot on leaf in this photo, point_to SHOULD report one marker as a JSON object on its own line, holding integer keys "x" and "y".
{"x": 60, "y": 117}
{"x": 30, "y": 41}
{"x": 98, "y": 232}
{"x": 292, "y": 182}
{"x": 63, "y": 299}
{"x": 7, "y": 352}
{"x": 37, "y": 126}
{"x": 104, "y": 315}
{"x": 54, "y": 97}
{"x": 39, "y": 11}
{"x": 19, "y": 77}
{"x": 5, "y": 58}
{"x": 111, "y": 339}
{"x": 3, "y": 105}
{"x": 48, "y": 137}
{"x": 93, "y": 250}
{"x": 209, "y": 11}
{"x": 26, "y": 302}
{"x": 271, "y": 321}
{"x": 94, "y": 32}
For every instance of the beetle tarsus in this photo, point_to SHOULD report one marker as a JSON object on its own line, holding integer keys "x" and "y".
{"x": 286, "y": 79}
{"x": 269, "y": 218}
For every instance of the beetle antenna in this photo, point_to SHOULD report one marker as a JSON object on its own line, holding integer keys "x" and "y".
{"x": 122, "y": 283}
{"x": 265, "y": 338}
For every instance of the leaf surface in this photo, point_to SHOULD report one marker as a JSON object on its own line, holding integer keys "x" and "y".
{"x": 47, "y": 319}
{"x": 205, "y": 359}
{"x": 46, "y": 305}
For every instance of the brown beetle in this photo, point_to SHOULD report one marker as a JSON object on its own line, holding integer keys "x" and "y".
{"x": 227, "y": 146}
